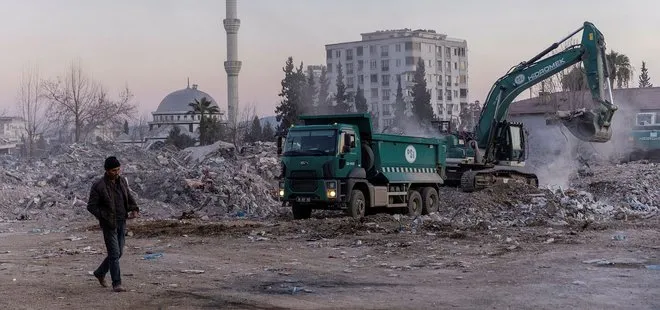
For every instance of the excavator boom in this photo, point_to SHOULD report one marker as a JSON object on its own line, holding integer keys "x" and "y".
{"x": 588, "y": 125}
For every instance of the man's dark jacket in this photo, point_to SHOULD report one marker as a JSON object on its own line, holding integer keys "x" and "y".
{"x": 101, "y": 203}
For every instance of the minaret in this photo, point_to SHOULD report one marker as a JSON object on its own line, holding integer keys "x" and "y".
{"x": 232, "y": 65}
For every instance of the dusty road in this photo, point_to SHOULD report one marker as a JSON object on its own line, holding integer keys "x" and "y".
{"x": 334, "y": 263}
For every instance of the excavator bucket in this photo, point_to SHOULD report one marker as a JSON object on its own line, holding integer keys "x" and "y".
{"x": 585, "y": 126}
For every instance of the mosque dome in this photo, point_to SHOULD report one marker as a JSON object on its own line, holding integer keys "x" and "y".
{"x": 177, "y": 102}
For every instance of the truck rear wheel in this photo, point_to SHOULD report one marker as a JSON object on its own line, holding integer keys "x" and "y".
{"x": 430, "y": 199}
{"x": 415, "y": 205}
{"x": 301, "y": 212}
{"x": 357, "y": 205}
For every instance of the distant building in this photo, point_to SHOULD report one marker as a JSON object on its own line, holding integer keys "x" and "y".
{"x": 174, "y": 110}
{"x": 546, "y": 141}
{"x": 12, "y": 129}
{"x": 316, "y": 71}
{"x": 374, "y": 63}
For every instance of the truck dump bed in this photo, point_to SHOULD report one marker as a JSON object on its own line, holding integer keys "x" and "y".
{"x": 401, "y": 159}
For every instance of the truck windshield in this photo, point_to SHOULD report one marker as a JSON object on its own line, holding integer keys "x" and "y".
{"x": 311, "y": 142}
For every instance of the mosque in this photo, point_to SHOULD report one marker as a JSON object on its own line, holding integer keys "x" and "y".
{"x": 174, "y": 110}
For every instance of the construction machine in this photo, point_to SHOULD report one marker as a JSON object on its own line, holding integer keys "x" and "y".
{"x": 496, "y": 151}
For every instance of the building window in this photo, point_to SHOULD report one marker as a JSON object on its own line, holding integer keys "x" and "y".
{"x": 385, "y": 80}
{"x": 448, "y": 52}
{"x": 463, "y": 65}
{"x": 338, "y": 54}
{"x": 349, "y": 68}
{"x": 359, "y": 51}
{"x": 328, "y": 54}
{"x": 374, "y": 78}
{"x": 373, "y": 65}
{"x": 397, "y": 47}
{"x": 360, "y": 79}
{"x": 349, "y": 54}
{"x": 360, "y": 65}
{"x": 386, "y": 94}
{"x": 384, "y": 51}
{"x": 372, "y": 50}
{"x": 350, "y": 82}
{"x": 398, "y": 62}
{"x": 464, "y": 93}
{"x": 374, "y": 93}
{"x": 385, "y": 65}
{"x": 448, "y": 66}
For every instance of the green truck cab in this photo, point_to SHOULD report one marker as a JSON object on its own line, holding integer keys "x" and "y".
{"x": 338, "y": 162}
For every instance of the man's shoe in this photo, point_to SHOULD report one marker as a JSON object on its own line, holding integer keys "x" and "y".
{"x": 101, "y": 280}
{"x": 118, "y": 288}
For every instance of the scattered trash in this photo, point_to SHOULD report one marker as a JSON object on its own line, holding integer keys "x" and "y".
{"x": 192, "y": 271}
{"x": 152, "y": 256}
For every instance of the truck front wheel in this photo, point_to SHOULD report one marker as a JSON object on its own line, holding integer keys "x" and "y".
{"x": 358, "y": 205}
{"x": 301, "y": 212}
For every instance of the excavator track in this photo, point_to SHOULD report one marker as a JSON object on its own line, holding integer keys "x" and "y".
{"x": 475, "y": 180}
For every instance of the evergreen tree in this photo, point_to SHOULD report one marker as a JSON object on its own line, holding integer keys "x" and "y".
{"x": 341, "y": 97}
{"x": 255, "y": 132}
{"x": 310, "y": 92}
{"x": 126, "y": 126}
{"x": 267, "y": 133}
{"x": 644, "y": 79}
{"x": 421, "y": 106}
{"x": 179, "y": 139}
{"x": 324, "y": 105}
{"x": 399, "y": 103}
{"x": 288, "y": 109}
{"x": 360, "y": 101}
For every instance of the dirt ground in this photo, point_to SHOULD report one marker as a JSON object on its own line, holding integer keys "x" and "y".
{"x": 334, "y": 263}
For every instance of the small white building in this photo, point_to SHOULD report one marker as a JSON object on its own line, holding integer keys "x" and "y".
{"x": 174, "y": 110}
{"x": 374, "y": 63}
{"x": 12, "y": 129}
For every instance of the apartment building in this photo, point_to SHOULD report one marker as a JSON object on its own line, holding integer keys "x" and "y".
{"x": 374, "y": 63}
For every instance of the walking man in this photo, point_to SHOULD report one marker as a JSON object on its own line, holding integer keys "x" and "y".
{"x": 111, "y": 202}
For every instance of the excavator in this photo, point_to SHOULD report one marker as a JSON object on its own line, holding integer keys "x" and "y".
{"x": 495, "y": 151}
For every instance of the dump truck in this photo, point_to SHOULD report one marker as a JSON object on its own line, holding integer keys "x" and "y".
{"x": 338, "y": 162}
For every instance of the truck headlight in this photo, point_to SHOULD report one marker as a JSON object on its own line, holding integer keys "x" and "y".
{"x": 331, "y": 184}
{"x": 281, "y": 191}
{"x": 332, "y": 193}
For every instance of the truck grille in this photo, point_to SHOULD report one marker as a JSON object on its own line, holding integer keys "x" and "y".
{"x": 303, "y": 174}
{"x": 303, "y": 180}
{"x": 307, "y": 186}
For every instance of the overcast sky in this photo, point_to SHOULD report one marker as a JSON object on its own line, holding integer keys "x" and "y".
{"x": 153, "y": 46}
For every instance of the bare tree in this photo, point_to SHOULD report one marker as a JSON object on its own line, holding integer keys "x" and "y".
{"x": 79, "y": 100}
{"x": 139, "y": 128}
{"x": 31, "y": 106}
{"x": 243, "y": 126}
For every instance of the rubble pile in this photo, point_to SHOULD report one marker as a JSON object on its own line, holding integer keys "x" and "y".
{"x": 211, "y": 181}
{"x": 632, "y": 185}
{"x": 598, "y": 194}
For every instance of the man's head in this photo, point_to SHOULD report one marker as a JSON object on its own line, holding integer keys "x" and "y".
{"x": 112, "y": 167}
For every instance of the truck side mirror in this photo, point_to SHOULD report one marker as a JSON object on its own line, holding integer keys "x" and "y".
{"x": 279, "y": 145}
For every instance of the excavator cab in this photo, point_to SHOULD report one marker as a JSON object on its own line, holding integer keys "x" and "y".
{"x": 509, "y": 146}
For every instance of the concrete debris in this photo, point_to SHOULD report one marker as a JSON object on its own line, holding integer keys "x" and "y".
{"x": 602, "y": 194}
{"x": 211, "y": 181}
